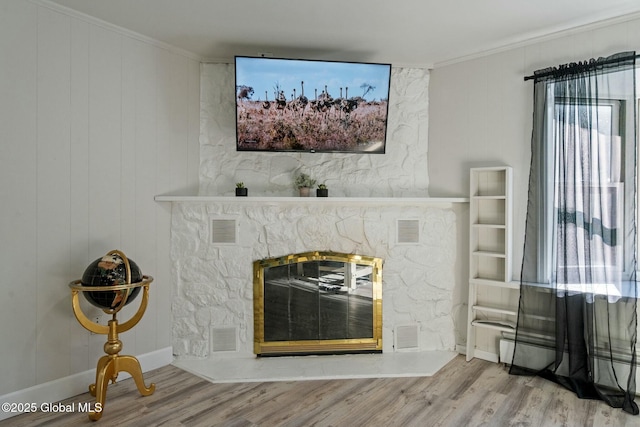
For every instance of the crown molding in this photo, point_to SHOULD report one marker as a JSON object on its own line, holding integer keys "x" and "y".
{"x": 111, "y": 27}
{"x": 514, "y": 43}
{"x": 539, "y": 37}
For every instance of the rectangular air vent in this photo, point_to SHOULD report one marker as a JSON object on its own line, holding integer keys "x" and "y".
{"x": 224, "y": 231}
{"x": 408, "y": 231}
{"x": 223, "y": 339}
{"x": 406, "y": 337}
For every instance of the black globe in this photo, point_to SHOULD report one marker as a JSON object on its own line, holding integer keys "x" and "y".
{"x": 108, "y": 271}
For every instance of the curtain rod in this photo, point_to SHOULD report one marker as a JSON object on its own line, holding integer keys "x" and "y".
{"x": 554, "y": 70}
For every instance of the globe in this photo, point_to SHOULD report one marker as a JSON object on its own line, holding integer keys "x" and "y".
{"x": 111, "y": 270}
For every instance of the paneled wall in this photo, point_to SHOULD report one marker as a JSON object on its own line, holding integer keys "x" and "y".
{"x": 480, "y": 111}
{"x": 93, "y": 123}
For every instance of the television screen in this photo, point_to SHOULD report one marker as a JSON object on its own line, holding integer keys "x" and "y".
{"x": 310, "y": 105}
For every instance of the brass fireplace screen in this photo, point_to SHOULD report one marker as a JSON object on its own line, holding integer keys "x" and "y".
{"x": 317, "y": 302}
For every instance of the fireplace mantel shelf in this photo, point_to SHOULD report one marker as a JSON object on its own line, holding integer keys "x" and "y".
{"x": 402, "y": 201}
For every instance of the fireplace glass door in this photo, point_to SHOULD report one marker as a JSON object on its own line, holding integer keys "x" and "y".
{"x": 317, "y": 302}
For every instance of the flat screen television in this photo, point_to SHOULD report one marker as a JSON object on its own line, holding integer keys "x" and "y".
{"x": 311, "y": 105}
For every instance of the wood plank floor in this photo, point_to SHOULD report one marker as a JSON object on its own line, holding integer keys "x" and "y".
{"x": 460, "y": 394}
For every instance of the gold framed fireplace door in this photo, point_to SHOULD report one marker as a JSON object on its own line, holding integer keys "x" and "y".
{"x": 317, "y": 303}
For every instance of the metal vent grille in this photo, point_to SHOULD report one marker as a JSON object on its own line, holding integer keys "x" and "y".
{"x": 223, "y": 339}
{"x": 408, "y": 231}
{"x": 406, "y": 337}
{"x": 223, "y": 231}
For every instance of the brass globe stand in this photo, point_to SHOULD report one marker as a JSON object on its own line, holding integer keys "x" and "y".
{"x": 112, "y": 363}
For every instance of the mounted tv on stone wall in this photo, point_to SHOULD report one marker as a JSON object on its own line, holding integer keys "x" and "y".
{"x": 311, "y": 106}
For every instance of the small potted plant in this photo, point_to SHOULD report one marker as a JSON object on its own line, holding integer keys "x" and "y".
{"x": 241, "y": 190}
{"x": 304, "y": 183}
{"x": 322, "y": 191}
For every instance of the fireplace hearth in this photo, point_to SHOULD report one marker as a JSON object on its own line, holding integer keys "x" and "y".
{"x": 317, "y": 303}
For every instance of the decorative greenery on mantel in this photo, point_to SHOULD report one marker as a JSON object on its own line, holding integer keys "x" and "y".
{"x": 304, "y": 181}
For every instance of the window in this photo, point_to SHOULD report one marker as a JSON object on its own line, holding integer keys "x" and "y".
{"x": 598, "y": 132}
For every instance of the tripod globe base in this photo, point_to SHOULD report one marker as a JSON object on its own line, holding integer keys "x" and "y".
{"x": 107, "y": 370}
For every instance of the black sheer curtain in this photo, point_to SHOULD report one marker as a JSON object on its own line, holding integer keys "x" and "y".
{"x": 577, "y": 316}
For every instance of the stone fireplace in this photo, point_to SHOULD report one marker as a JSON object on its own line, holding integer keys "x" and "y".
{"x": 374, "y": 200}
{"x": 213, "y": 308}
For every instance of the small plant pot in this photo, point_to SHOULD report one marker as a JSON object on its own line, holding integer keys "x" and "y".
{"x": 322, "y": 192}
{"x": 304, "y": 191}
{"x": 242, "y": 192}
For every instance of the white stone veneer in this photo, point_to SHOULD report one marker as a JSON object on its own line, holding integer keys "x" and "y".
{"x": 214, "y": 282}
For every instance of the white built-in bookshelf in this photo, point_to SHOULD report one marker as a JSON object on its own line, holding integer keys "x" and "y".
{"x": 493, "y": 297}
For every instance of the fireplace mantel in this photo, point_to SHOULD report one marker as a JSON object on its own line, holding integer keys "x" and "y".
{"x": 360, "y": 201}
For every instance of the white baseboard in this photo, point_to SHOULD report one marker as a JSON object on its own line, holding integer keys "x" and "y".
{"x": 480, "y": 354}
{"x": 486, "y": 355}
{"x": 73, "y": 385}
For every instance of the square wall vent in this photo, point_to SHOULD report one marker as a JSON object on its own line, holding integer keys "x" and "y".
{"x": 224, "y": 339}
{"x": 406, "y": 337}
{"x": 408, "y": 231}
{"x": 224, "y": 231}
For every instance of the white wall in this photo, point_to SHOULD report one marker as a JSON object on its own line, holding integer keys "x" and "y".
{"x": 93, "y": 123}
{"x": 480, "y": 112}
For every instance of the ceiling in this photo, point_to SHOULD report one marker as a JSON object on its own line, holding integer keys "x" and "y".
{"x": 401, "y": 32}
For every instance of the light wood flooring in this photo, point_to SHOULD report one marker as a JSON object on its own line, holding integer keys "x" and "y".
{"x": 460, "y": 394}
